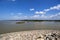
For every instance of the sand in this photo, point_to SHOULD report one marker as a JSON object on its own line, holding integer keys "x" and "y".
{"x": 32, "y": 35}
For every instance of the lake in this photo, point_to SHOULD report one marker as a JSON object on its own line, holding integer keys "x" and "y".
{"x": 13, "y": 26}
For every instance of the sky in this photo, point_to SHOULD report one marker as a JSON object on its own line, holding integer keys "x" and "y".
{"x": 29, "y": 9}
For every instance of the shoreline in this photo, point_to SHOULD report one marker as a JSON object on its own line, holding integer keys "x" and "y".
{"x": 30, "y": 30}
{"x": 29, "y": 35}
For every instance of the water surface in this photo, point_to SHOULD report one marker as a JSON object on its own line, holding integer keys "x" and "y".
{"x": 12, "y": 26}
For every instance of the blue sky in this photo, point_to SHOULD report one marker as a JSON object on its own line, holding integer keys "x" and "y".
{"x": 30, "y": 9}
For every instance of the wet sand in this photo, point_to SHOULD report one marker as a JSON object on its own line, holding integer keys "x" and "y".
{"x": 32, "y": 35}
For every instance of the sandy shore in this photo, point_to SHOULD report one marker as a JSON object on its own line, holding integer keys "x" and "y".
{"x": 32, "y": 35}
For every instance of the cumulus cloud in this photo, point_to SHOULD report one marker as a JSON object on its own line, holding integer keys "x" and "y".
{"x": 46, "y": 10}
{"x": 56, "y": 15}
{"x": 57, "y": 7}
{"x": 39, "y": 12}
{"x": 19, "y": 13}
{"x": 42, "y": 17}
{"x": 18, "y": 16}
{"x": 35, "y": 16}
{"x": 15, "y": 17}
{"x": 32, "y": 9}
{"x": 46, "y": 17}
{"x": 39, "y": 16}
{"x": 53, "y": 8}
{"x": 12, "y": 0}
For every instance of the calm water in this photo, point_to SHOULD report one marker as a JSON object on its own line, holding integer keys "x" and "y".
{"x": 11, "y": 26}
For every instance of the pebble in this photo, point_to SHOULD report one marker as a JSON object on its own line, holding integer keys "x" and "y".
{"x": 32, "y": 35}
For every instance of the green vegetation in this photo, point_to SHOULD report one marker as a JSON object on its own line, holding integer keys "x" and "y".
{"x": 33, "y": 20}
{"x": 41, "y": 20}
{"x": 23, "y": 21}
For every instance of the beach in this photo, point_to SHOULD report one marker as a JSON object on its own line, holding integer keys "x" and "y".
{"x": 32, "y": 35}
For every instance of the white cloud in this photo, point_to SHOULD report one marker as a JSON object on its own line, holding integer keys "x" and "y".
{"x": 19, "y": 13}
{"x": 32, "y": 9}
{"x": 15, "y": 14}
{"x": 16, "y": 17}
{"x": 59, "y": 13}
{"x": 35, "y": 16}
{"x": 39, "y": 16}
{"x": 53, "y": 8}
{"x": 51, "y": 16}
{"x": 56, "y": 16}
{"x": 46, "y": 10}
{"x": 39, "y": 12}
{"x": 13, "y": 0}
{"x": 42, "y": 17}
{"x": 25, "y": 17}
{"x": 11, "y": 13}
